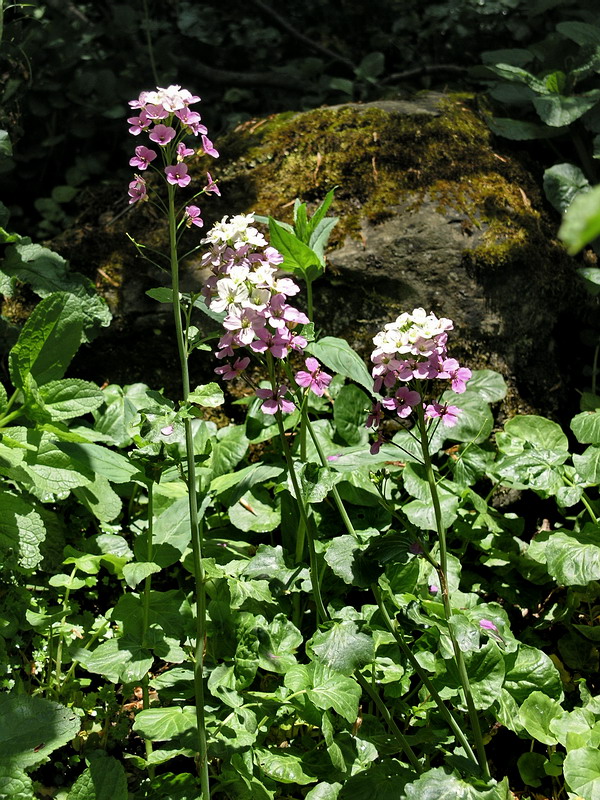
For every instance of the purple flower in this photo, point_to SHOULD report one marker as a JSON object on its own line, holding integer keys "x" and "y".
{"x": 167, "y": 430}
{"x": 402, "y": 402}
{"x": 188, "y": 117}
{"x": 433, "y": 589}
{"x": 314, "y": 378}
{"x": 277, "y": 343}
{"x": 375, "y": 417}
{"x": 162, "y": 134}
{"x": 487, "y": 625}
{"x": 156, "y": 111}
{"x": 178, "y": 175}
{"x": 376, "y": 446}
{"x": 192, "y": 216}
{"x": 211, "y": 186}
{"x": 137, "y": 190}
{"x": 183, "y": 151}
{"x": 334, "y": 457}
{"x": 143, "y": 157}
{"x": 447, "y": 414}
{"x": 458, "y": 375}
{"x": 208, "y": 147}
{"x": 228, "y": 372}
{"x": 138, "y": 124}
{"x": 275, "y": 400}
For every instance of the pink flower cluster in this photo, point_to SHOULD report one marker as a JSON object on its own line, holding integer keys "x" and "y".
{"x": 413, "y": 348}
{"x": 165, "y": 115}
{"x": 247, "y": 285}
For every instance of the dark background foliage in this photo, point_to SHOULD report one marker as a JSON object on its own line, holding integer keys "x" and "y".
{"x": 67, "y": 70}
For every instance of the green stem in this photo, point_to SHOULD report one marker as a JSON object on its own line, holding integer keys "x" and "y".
{"x": 9, "y": 417}
{"x": 195, "y": 523}
{"x": 59, "y": 646}
{"x": 149, "y": 42}
{"x": 404, "y": 649}
{"x": 146, "y": 612}
{"x": 383, "y": 709}
{"x": 334, "y": 492}
{"x": 443, "y": 577}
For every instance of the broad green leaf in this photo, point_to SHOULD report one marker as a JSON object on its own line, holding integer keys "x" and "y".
{"x": 558, "y": 110}
{"x": 342, "y": 647}
{"x": 228, "y": 449}
{"x": 100, "y": 498}
{"x": 521, "y": 130}
{"x": 510, "y": 72}
{"x": 582, "y": 772}
{"x": 49, "y": 340}
{"x": 536, "y": 714}
{"x": 581, "y": 224}
{"x": 350, "y": 411}
{"x": 339, "y": 356}
{"x": 324, "y": 791}
{"x": 122, "y": 659}
{"x": 320, "y": 236}
{"x": 562, "y": 184}
{"x": 170, "y": 536}
{"x": 586, "y": 427}
{"x": 209, "y": 395}
{"x": 371, "y": 66}
{"x": 581, "y": 33}
{"x": 32, "y": 727}
{"x": 588, "y": 466}
{"x": 282, "y": 766}
{"x": 102, "y": 461}
{"x": 15, "y": 784}
{"x": 573, "y": 559}
{"x": 70, "y": 398}
{"x": 531, "y": 768}
{"x": 315, "y": 482}
{"x": 163, "y": 724}
{"x": 325, "y": 688}
{"x": 278, "y": 642}
{"x": 242, "y": 480}
{"x": 489, "y": 385}
{"x": 540, "y": 432}
{"x": 382, "y": 781}
{"x": 346, "y": 558}
{"x": 22, "y": 531}
{"x": 475, "y": 421}
{"x": 486, "y": 670}
{"x": 104, "y": 779}
{"x": 528, "y": 670}
{"x": 437, "y": 784}
{"x": 256, "y": 510}
{"x": 162, "y": 294}
{"x": 138, "y": 571}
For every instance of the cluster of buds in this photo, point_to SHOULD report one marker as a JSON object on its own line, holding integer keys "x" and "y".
{"x": 412, "y": 349}
{"x": 247, "y": 284}
{"x": 165, "y": 115}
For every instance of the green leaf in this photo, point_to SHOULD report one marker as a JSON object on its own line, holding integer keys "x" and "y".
{"x": 437, "y": 784}
{"x": 22, "y": 531}
{"x": 529, "y": 670}
{"x": 320, "y": 212}
{"x": 70, "y": 398}
{"x": 278, "y": 642}
{"x": 104, "y": 779}
{"x": 581, "y": 33}
{"x": 282, "y": 766}
{"x": 339, "y": 356}
{"x": 582, "y": 772}
{"x": 542, "y": 433}
{"x": 298, "y": 257}
{"x": 346, "y": 558}
{"x": 588, "y": 466}
{"x": 342, "y": 647}
{"x": 510, "y": 72}
{"x": 163, "y": 724}
{"x": 586, "y": 427}
{"x": 170, "y": 536}
{"x": 100, "y": 498}
{"x": 371, "y": 66}
{"x": 122, "y": 659}
{"x": 581, "y": 224}
{"x": 573, "y": 558}
{"x": 562, "y": 184}
{"x": 228, "y": 449}
{"x": 102, "y": 461}
{"x": 559, "y": 110}
{"x": 162, "y": 294}
{"x": 350, "y": 411}
{"x": 531, "y": 768}
{"x": 255, "y": 511}
{"x": 32, "y": 727}
{"x": 49, "y": 340}
{"x": 138, "y": 571}
{"x": 209, "y": 395}
{"x": 536, "y": 713}
{"x": 14, "y": 783}
{"x": 324, "y": 791}
{"x": 521, "y": 130}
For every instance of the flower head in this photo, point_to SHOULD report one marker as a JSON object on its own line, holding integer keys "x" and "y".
{"x": 192, "y": 216}
{"x": 162, "y": 134}
{"x": 275, "y": 401}
{"x": 143, "y": 157}
{"x": 313, "y": 377}
{"x": 178, "y": 175}
{"x": 137, "y": 190}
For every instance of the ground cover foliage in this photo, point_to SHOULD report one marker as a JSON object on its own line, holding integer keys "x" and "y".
{"x": 359, "y": 585}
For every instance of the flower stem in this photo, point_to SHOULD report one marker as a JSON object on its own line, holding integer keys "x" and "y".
{"x": 443, "y": 577}
{"x": 443, "y": 709}
{"x": 146, "y": 612}
{"x": 195, "y": 526}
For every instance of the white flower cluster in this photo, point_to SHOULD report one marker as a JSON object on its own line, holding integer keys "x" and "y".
{"x": 173, "y": 98}
{"x": 417, "y": 332}
{"x": 235, "y": 232}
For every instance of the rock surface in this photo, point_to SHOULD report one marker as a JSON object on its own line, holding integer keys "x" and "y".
{"x": 434, "y": 212}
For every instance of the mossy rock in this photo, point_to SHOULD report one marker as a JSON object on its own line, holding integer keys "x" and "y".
{"x": 434, "y": 212}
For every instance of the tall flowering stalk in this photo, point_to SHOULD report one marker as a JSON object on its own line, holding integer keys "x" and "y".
{"x": 409, "y": 353}
{"x": 248, "y": 286}
{"x": 166, "y": 118}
